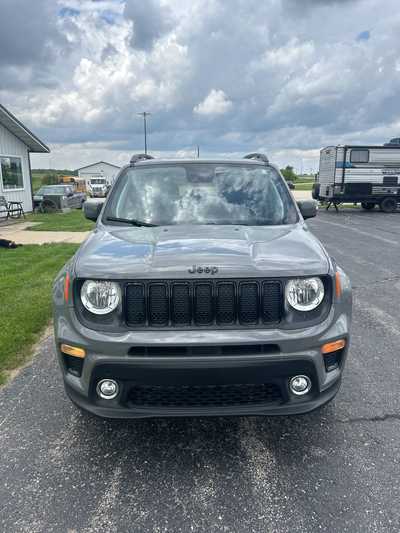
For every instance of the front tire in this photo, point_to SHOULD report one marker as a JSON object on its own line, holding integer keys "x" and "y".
{"x": 388, "y": 205}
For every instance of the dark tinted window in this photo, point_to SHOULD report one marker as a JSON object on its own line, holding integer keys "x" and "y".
{"x": 202, "y": 193}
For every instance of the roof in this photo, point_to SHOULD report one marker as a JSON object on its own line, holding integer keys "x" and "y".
{"x": 97, "y": 163}
{"x": 20, "y": 131}
{"x": 364, "y": 146}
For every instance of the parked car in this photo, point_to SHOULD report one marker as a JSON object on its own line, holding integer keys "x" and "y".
{"x": 201, "y": 292}
{"x": 58, "y": 197}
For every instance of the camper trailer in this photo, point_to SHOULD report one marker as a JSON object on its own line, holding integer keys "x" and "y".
{"x": 369, "y": 175}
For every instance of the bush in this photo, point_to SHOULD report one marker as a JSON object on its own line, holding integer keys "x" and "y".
{"x": 50, "y": 179}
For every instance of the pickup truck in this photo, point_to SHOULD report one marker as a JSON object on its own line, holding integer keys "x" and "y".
{"x": 98, "y": 187}
{"x": 61, "y": 196}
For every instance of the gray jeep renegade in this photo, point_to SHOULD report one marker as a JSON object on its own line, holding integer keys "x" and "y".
{"x": 201, "y": 292}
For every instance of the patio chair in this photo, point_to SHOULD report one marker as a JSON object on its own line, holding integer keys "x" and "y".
{"x": 10, "y": 209}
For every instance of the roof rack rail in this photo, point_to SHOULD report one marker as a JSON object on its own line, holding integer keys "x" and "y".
{"x": 140, "y": 157}
{"x": 257, "y": 157}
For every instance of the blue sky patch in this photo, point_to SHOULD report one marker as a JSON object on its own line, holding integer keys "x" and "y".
{"x": 68, "y": 12}
{"x": 364, "y": 35}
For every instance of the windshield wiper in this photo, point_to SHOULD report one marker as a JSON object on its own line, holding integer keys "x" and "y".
{"x": 132, "y": 222}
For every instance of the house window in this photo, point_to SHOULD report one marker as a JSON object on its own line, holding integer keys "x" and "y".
{"x": 359, "y": 156}
{"x": 11, "y": 172}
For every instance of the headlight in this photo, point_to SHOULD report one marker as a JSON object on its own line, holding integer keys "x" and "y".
{"x": 100, "y": 297}
{"x": 304, "y": 294}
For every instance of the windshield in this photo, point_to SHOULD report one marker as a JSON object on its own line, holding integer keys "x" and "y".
{"x": 51, "y": 190}
{"x": 97, "y": 181}
{"x": 202, "y": 193}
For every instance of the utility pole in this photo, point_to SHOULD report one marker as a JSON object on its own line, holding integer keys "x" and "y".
{"x": 145, "y": 114}
{"x": 198, "y": 151}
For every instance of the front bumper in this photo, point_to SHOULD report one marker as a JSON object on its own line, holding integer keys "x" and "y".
{"x": 108, "y": 356}
{"x": 123, "y": 407}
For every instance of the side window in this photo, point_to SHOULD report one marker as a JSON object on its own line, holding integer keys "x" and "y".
{"x": 359, "y": 156}
{"x": 11, "y": 173}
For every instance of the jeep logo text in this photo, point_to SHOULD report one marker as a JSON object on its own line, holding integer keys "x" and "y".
{"x": 203, "y": 270}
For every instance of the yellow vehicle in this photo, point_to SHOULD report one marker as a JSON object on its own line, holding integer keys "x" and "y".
{"x": 79, "y": 184}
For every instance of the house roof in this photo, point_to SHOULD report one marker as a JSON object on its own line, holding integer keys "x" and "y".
{"x": 16, "y": 127}
{"x": 97, "y": 163}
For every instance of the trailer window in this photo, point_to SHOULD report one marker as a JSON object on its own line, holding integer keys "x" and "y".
{"x": 359, "y": 156}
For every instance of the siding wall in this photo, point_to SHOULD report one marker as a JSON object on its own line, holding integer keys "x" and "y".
{"x": 12, "y": 146}
{"x": 94, "y": 171}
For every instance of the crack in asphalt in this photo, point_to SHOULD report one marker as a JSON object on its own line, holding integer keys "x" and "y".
{"x": 377, "y": 418}
{"x": 383, "y": 280}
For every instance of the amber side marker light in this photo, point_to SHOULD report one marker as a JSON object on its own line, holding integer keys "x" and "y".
{"x": 73, "y": 350}
{"x": 66, "y": 287}
{"x": 338, "y": 285}
{"x": 330, "y": 347}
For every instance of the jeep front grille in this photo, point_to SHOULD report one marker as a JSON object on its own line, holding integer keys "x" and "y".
{"x": 203, "y": 303}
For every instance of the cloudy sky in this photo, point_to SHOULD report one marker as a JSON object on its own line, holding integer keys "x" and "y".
{"x": 285, "y": 77}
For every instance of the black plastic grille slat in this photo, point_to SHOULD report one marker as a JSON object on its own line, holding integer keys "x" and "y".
{"x": 180, "y": 304}
{"x": 218, "y": 349}
{"x": 204, "y": 395}
{"x": 203, "y": 304}
{"x": 226, "y": 303}
{"x": 158, "y": 304}
{"x": 271, "y": 307}
{"x": 136, "y": 304}
{"x": 248, "y": 303}
{"x": 207, "y": 303}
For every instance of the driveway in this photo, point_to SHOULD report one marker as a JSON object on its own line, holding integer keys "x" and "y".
{"x": 335, "y": 470}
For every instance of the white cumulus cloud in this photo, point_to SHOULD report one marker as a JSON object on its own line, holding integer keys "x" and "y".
{"x": 215, "y": 103}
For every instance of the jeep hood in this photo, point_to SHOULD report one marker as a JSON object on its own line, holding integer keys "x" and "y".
{"x": 169, "y": 252}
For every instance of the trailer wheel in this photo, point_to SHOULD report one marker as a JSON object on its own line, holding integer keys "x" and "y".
{"x": 388, "y": 205}
{"x": 315, "y": 191}
{"x": 367, "y": 205}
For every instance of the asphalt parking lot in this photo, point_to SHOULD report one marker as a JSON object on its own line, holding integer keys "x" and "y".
{"x": 337, "y": 469}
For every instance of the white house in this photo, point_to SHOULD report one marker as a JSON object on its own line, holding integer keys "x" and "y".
{"x": 101, "y": 169}
{"x": 16, "y": 143}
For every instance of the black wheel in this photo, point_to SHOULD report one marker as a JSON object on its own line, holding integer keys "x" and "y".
{"x": 368, "y": 205}
{"x": 48, "y": 206}
{"x": 388, "y": 205}
{"x": 315, "y": 191}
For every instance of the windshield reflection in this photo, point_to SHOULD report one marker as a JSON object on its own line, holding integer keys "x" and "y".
{"x": 202, "y": 193}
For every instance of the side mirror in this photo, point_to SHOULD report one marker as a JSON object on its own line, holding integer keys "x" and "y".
{"x": 291, "y": 185}
{"x": 308, "y": 208}
{"x": 91, "y": 210}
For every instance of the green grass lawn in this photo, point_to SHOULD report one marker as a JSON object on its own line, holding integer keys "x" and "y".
{"x": 26, "y": 276}
{"x": 303, "y": 186}
{"x": 71, "y": 221}
{"x": 36, "y": 182}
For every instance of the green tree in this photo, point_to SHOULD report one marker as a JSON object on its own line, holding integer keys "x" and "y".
{"x": 50, "y": 179}
{"x": 288, "y": 173}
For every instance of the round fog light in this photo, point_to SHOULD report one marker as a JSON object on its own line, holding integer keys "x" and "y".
{"x": 107, "y": 389}
{"x": 300, "y": 385}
